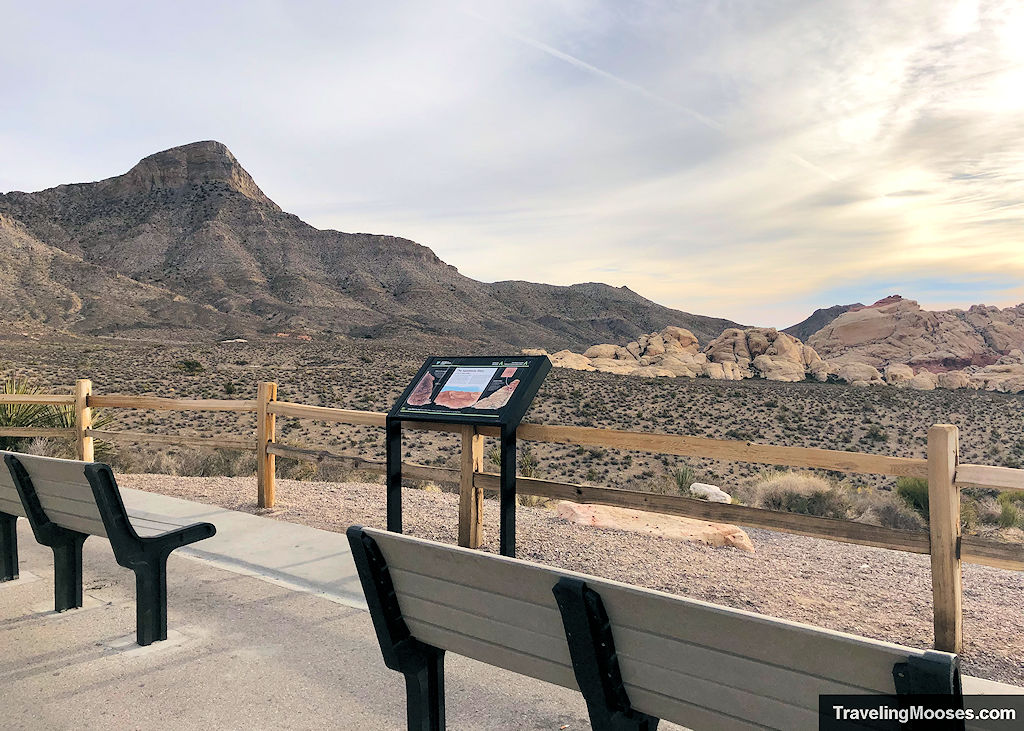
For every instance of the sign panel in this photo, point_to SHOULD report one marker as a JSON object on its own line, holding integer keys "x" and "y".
{"x": 479, "y": 390}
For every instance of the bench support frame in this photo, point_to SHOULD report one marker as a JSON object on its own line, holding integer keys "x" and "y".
{"x": 594, "y": 662}
{"x": 66, "y": 544}
{"x": 147, "y": 557}
{"x": 420, "y": 663}
{"x": 8, "y": 547}
{"x": 936, "y": 675}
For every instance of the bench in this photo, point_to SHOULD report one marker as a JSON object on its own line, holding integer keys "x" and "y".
{"x": 636, "y": 655}
{"x": 67, "y": 501}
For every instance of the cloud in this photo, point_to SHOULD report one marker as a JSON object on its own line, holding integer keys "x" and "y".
{"x": 748, "y": 161}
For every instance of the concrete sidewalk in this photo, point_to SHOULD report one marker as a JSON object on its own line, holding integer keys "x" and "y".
{"x": 243, "y": 652}
{"x": 296, "y": 556}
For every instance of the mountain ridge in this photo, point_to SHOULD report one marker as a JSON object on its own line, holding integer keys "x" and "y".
{"x": 186, "y": 240}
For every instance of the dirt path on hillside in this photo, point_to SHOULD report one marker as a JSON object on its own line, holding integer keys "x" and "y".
{"x": 868, "y": 591}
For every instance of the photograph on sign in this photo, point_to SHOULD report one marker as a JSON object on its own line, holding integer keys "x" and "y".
{"x": 458, "y": 388}
{"x": 494, "y": 390}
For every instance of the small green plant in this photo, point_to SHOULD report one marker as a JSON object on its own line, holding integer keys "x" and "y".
{"x": 683, "y": 477}
{"x": 229, "y": 388}
{"x": 190, "y": 367}
{"x": 528, "y": 464}
{"x": 914, "y": 492}
{"x": 875, "y": 433}
{"x": 1009, "y": 515}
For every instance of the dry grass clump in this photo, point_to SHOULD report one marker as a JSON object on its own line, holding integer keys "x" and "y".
{"x": 799, "y": 492}
{"x": 888, "y": 510}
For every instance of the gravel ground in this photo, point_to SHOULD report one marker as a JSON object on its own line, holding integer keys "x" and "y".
{"x": 868, "y": 591}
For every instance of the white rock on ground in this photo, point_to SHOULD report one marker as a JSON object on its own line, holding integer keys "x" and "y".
{"x": 711, "y": 493}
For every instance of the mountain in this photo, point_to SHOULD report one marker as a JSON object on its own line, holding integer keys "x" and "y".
{"x": 818, "y": 319}
{"x": 897, "y": 330}
{"x": 187, "y": 242}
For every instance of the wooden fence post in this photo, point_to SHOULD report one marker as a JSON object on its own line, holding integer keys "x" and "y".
{"x": 265, "y": 436}
{"x": 471, "y": 499}
{"x": 944, "y": 526}
{"x": 83, "y": 420}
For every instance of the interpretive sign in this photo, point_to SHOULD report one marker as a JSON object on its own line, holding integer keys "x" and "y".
{"x": 479, "y": 391}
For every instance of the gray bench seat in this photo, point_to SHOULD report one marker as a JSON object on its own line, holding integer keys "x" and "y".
{"x": 637, "y": 655}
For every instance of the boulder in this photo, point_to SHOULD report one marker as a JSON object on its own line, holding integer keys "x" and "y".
{"x": 953, "y": 379}
{"x": 859, "y": 374}
{"x": 653, "y": 372}
{"x": 924, "y": 381}
{"x": 655, "y": 346}
{"x": 818, "y": 371}
{"x": 678, "y": 338}
{"x": 779, "y": 369}
{"x": 714, "y": 370}
{"x": 898, "y": 374}
{"x": 666, "y": 526}
{"x": 601, "y": 351}
{"x": 711, "y": 493}
{"x": 621, "y": 367}
{"x": 680, "y": 365}
{"x": 533, "y": 351}
{"x": 569, "y": 359}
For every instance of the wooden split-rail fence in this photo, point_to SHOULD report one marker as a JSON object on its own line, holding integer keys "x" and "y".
{"x": 943, "y": 540}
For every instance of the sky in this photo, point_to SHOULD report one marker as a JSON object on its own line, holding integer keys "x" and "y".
{"x": 750, "y": 160}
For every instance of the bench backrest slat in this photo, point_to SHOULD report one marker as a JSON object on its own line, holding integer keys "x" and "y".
{"x": 682, "y": 660}
{"x": 10, "y": 501}
{"x": 64, "y": 493}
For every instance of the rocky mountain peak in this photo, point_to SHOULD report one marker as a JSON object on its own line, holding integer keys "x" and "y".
{"x": 196, "y": 163}
{"x": 890, "y": 300}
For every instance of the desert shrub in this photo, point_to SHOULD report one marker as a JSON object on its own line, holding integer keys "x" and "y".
{"x": 1009, "y": 515}
{"x": 189, "y": 463}
{"x": 885, "y": 509}
{"x": 875, "y": 433}
{"x": 970, "y": 517}
{"x": 914, "y": 491}
{"x": 529, "y": 466}
{"x": 801, "y": 492}
{"x": 989, "y": 510}
{"x": 190, "y": 367}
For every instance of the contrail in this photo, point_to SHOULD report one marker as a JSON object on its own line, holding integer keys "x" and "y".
{"x": 624, "y": 83}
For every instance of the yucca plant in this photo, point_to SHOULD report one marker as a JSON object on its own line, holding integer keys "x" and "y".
{"x": 46, "y": 416}
{"x": 22, "y": 415}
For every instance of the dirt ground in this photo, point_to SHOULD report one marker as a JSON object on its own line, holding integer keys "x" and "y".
{"x": 869, "y": 591}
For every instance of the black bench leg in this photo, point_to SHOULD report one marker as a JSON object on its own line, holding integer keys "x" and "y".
{"x": 151, "y": 600}
{"x": 424, "y": 694}
{"x": 67, "y": 571}
{"x": 588, "y": 633}
{"x": 8, "y": 547}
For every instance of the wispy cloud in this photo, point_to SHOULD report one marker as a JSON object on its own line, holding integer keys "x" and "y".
{"x": 745, "y": 160}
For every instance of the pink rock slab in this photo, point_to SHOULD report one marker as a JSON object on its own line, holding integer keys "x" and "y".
{"x": 666, "y": 526}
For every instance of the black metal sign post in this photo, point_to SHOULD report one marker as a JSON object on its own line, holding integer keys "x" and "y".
{"x": 478, "y": 391}
{"x": 507, "y": 528}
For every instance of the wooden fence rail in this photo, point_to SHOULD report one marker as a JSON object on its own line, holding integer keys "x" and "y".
{"x": 942, "y": 541}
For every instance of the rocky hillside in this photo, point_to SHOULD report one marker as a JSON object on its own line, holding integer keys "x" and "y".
{"x": 818, "y": 319}
{"x": 897, "y": 331}
{"x": 187, "y": 241}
